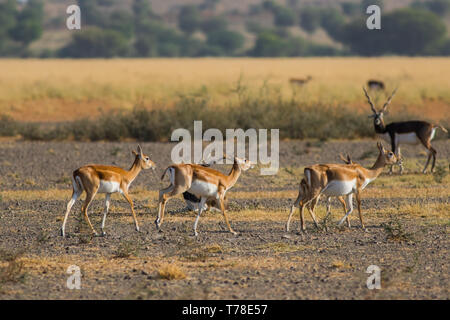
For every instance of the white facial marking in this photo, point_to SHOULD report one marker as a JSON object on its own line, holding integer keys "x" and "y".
{"x": 108, "y": 187}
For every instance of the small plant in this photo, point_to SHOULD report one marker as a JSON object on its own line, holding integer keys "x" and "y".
{"x": 63, "y": 180}
{"x": 84, "y": 234}
{"x": 126, "y": 249}
{"x": 439, "y": 174}
{"x": 396, "y": 232}
{"x": 43, "y": 236}
{"x": 115, "y": 151}
{"x": 171, "y": 272}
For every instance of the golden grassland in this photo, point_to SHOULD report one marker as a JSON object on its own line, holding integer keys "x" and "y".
{"x": 59, "y": 90}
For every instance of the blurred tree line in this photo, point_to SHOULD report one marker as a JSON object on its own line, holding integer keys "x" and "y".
{"x": 18, "y": 28}
{"x": 108, "y": 31}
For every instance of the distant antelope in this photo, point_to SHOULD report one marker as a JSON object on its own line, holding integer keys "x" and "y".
{"x": 105, "y": 179}
{"x": 202, "y": 182}
{"x": 340, "y": 181}
{"x": 375, "y": 85}
{"x": 300, "y": 81}
{"x": 406, "y": 132}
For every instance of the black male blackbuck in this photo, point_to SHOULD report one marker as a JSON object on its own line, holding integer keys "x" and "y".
{"x": 405, "y": 132}
{"x": 338, "y": 180}
{"x": 105, "y": 179}
{"x": 203, "y": 182}
{"x": 375, "y": 84}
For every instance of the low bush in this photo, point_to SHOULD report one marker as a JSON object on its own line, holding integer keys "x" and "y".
{"x": 294, "y": 120}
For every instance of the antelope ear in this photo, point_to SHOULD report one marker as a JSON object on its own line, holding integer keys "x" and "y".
{"x": 372, "y": 116}
{"x": 379, "y": 146}
{"x": 134, "y": 152}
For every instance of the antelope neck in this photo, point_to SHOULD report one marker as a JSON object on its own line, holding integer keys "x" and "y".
{"x": 376, "y": 169}
{"x": 234, "y": 174}
{"x": 134, "y": 170}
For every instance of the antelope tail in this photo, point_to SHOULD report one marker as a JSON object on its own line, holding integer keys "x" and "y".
{"x": 164, "y": 173}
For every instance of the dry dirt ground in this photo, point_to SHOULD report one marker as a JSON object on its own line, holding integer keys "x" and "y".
{"x": 407, "y": 218}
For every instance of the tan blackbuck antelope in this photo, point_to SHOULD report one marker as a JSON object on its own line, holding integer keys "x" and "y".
{"x": 300, "y": 81}
{"x": 192, "y": 202}
{"x": 203, "y": 182}
{"x": 406, "y": 132}
{"x": 105, "y": 179}
{"x": 339, "y": 181}
{"x": 320, "y": 171}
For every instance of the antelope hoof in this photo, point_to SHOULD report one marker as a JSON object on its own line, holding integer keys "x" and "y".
{"x": 62, "y": 233}
{"x": 137, "y": 228}
{"x": 103, "y": 233}
{"x": 158, "y": 226}
{"x": 195, "y": 234}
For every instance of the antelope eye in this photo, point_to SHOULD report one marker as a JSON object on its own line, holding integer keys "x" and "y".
{"x": 146, "y": 159}
{"x": 390, "y": 154}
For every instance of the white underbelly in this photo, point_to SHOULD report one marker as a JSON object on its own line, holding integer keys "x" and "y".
{"x": 407, "y": 138}
{"x": 108, "y": 187}
{"x": 203, "y": 189}
{"x": 339, "y": 188}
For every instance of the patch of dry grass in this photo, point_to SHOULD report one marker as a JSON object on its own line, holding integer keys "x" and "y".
{"x": 283, "y": 247}
{"x": 11, "y": 266}
{"x": 72, "y": 89}
{"x": 171, "y": 272}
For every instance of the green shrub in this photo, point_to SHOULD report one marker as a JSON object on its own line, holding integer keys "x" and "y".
{"x": 8, "y": 127}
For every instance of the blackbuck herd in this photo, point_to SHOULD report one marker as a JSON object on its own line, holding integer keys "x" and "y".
{"x": 204, "y": 188}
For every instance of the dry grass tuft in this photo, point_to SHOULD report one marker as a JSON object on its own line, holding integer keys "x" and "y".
{"x": 339, "y": 264}
{"x": 11, "y": 266}
{"x": 171, "y": 272}
{"x": 126, "y": 249}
